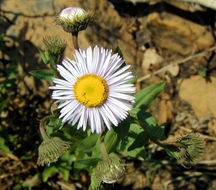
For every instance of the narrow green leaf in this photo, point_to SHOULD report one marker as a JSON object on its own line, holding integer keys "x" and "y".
{"x": 95, "y": 183}
{"x": 111, "y": 141}
{"x": 3, "y": 146}
{"x": 123, "y": 128}
{"x": 140, "y": 141}
{"x": 172, "y": 153}
{"x": 149, "y": 123}
{"x": 135, "y": 128}
{"x": 88, "y": 144}
{"x": 48, "y": 171}
{"x": 45, "y": 74}
{"x": 89, "y": 162}
{"x": 146, "y": 96}
{"x": 65, "y": 170}
{"x": 56, "y": 123}
{"x": 118, "y": 50}
{"x": 43, "y": 56}
{"x": 3, "y": 104}
{"x": 126, "y": 143}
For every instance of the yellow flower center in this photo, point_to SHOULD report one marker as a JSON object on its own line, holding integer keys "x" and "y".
{"x": 91, "y": 90}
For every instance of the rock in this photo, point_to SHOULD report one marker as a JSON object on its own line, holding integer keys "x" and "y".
{"x": 151, "y": 58}
{"x": 174, "y": 70}
{"x": 43, "y": 6}
{"x": 177, "y": 34}
{"x": 38, "y": 20}
{"x": 200, "y": 94}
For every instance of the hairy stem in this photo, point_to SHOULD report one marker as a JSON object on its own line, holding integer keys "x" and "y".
{"x": 75, "y": 40}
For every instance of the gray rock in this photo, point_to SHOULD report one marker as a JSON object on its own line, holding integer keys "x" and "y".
{"x": 43, "y": 6}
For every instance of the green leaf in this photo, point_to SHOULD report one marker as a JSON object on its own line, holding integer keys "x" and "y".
{"x": 140, "y": 141}
{"x": 136, "y": 152}
{"x": 95, "y": 183}
{"x": 123, "y": 128}
{"x": 48, "y": 171}
{"x": 3, "y": 104}
{"x": 65, "y": 170}
{"x": 111, "y": 141}
{"x": 202, "y": 71}
{"x": 53, "y": 62}
{"x": 144, "y": 117}
{"x": 56, "y": 123}
{"x": 173, "y": 153}
{"x": 146, "y": 96}
{"x": 149, "y": 123}
{"x": 45, "y": 74}
{"x": 68, "y": 158}
{"x": 135, "y": 128}
{"x": 96, "y": 153}
{"x": 88, "y": 144}
{"x": 118, "y": 50}
{"x": 4, "y": 147}
{"x": 43, "y": 56}
{"x": 89, "y": 162}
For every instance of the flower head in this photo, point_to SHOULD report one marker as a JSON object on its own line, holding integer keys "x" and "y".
{"x": 110, "y": 170}
{"x": 93, "y": 90}
{"x": 51, "y": 149}
{"x": 74, "y": 19}
{"x": 54, "y": 45}
{"x": 192, "y": 149}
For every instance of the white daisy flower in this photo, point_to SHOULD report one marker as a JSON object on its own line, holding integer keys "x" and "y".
{"x": 94, "y": 90}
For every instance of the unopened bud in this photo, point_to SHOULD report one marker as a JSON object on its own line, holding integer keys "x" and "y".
{"x": 192, "y": 148}
{"x": 54, "y": 45}
{"x": 110, "y": 170}
{"x": 51, "y": 149}
{"x": 74, "y": 19}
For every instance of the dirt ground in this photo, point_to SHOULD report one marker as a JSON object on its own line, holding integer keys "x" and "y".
{"x": 172, "y": 42}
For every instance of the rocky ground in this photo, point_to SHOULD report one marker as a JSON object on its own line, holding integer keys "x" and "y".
{"x": 163, "y": 42}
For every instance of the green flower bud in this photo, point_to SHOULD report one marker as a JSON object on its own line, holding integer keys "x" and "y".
{"x": 51, "y": 149}
{"x": 54, "y": 46}
{"x": 192, "y": 148}
{"x": 74, "y": 19}
{"x": 110, "y": 170}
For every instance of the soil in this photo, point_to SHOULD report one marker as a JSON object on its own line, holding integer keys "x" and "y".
{"x": 151, "y": 36}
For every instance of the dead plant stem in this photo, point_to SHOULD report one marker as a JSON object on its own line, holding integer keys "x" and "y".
{"x": 178, "y": 62}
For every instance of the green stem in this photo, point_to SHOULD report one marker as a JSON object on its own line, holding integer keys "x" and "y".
{"x": 167, "y": 144}
{"x": 42, "y": 129}
{"x": 103, "y": 149}
{"x": 75, "y": 40}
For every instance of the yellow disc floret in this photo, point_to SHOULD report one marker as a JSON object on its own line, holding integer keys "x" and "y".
{"x": 91, "y": 90}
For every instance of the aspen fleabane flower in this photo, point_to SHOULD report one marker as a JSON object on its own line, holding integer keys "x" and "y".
{"x": 74, "y": 19}
{"x": 94, "y": 90}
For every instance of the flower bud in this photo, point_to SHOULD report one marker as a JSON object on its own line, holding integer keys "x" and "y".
{"x": 74, "y": 19}
{"x": 110, "y": 170}
{"x": 192, "y": 148}
{"x": 54, "y": 46}
{"x": 51, "y": 149}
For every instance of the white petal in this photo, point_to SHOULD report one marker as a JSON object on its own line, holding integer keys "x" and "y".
{"x": 91, "y": 120}
{"x": 121, "y": 96}
{"x": 105, "y": 118}
{"x": 60, "y": 87}
{"x": 123, "y": 88}
{"x": 62, "y": 82}
{"x": 66, "y": 74}
{"x": 70, "y": 66}
{"x": 109, "y": 114}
